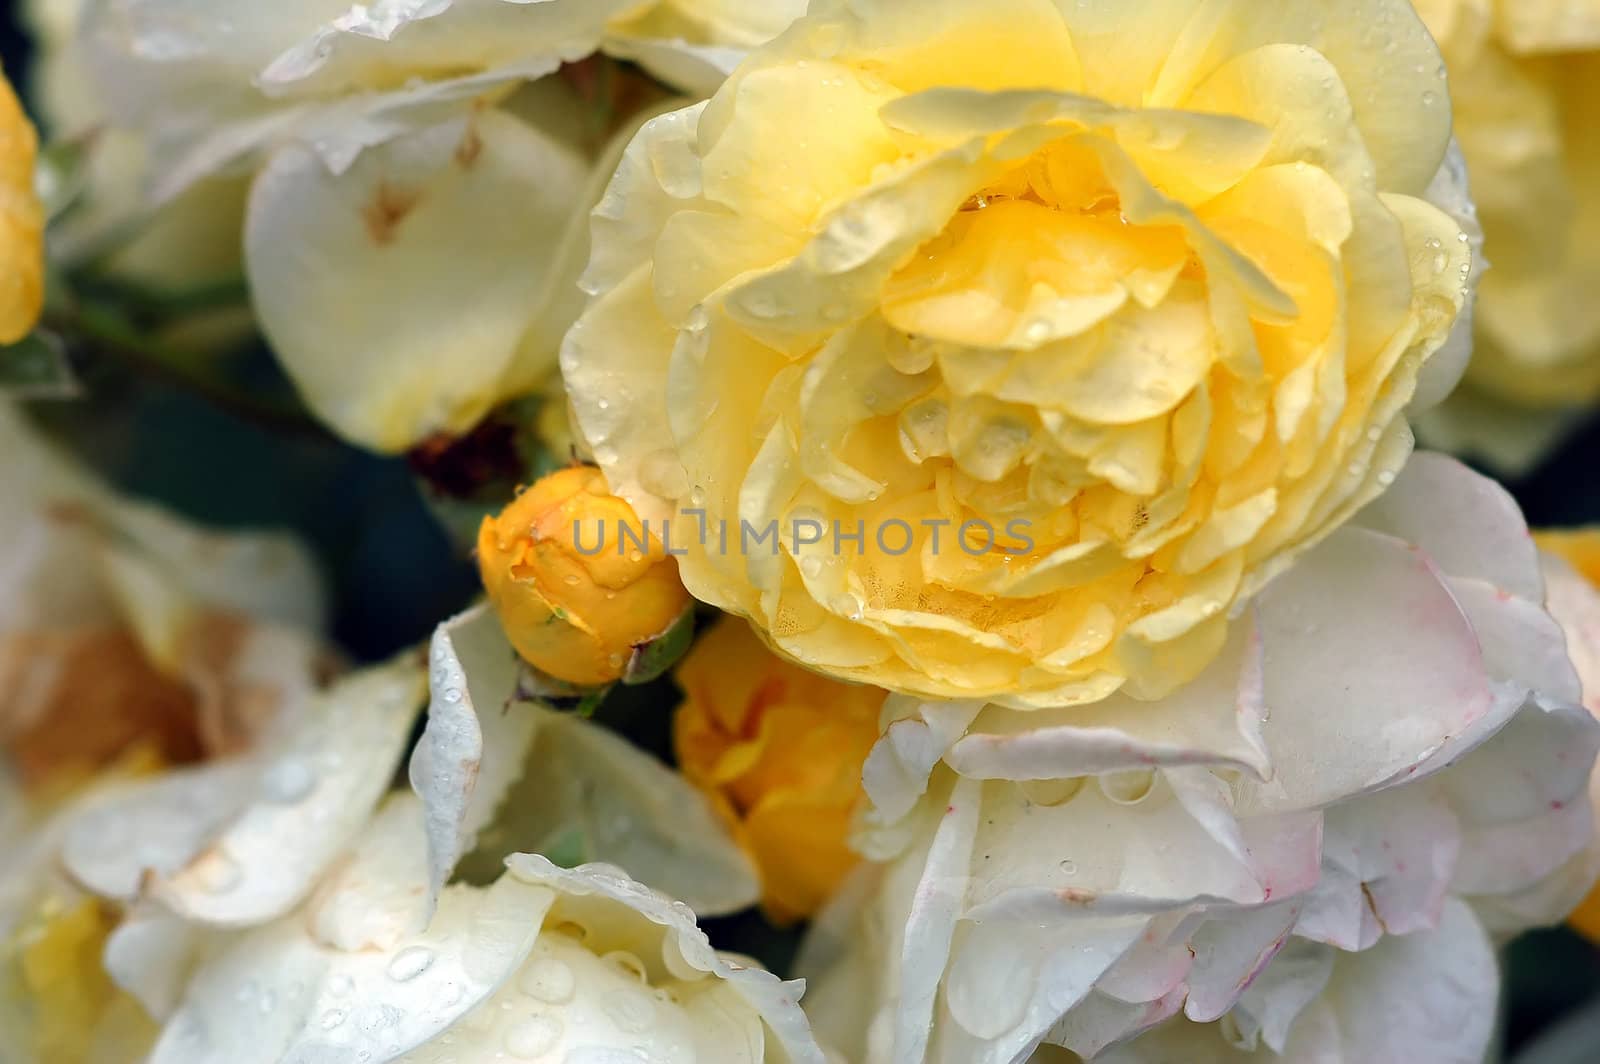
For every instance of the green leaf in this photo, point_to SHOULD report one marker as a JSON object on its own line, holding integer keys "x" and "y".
{"x": 36, "y": 367}
{"x": 567, "y": 849}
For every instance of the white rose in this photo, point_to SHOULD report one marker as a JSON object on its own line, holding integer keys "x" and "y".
{"x": 545, "y": 964}
{"x": 131, "y": 643}
{"x": 418, "y": 181}
{"x": 1306, "y": 850}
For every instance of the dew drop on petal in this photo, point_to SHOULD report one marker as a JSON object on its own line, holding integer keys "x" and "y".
{"x": 410, "y": 963}
{"x": 288, "y": 780}
{"x": 549, "y": 980}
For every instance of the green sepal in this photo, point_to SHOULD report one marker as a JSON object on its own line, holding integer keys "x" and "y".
{"x": 654, "y": 657}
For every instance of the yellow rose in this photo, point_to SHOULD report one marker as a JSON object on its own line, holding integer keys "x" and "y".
{"x": 778, "y": 750}
{"x": 1141, "y": 290}
{"x": 1522, "y": 76}
{"x": 21, "y": 222}
{"x": 574, "y": 588}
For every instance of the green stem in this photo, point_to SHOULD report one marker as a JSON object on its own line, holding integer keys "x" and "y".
{"x": 107, "y": 331}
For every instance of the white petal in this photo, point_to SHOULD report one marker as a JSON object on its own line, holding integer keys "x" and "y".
{"x": 1451, "y": 194}
{"x": 1229, "y": 955}
{"x": 239, "y": 842}
{"x": 1337, "y": 731}
{"x": 276, "y": 996}
{"x": 398, "y": 293}
{"x": 363, "y": 46}
{"x": 683, "y": 947}
{"x": 1429, "y": 996}
{"x": 156, "y": 825}
{"x": 149, "y": 955}
{"x": 476, "y": 742}
{"x": 1468, "y": 525}
{"x": 916, "y": 735}
{"x": 1213, "y": 720}
{"x": 318, "y": 785}
{"x": 379, "y": 893}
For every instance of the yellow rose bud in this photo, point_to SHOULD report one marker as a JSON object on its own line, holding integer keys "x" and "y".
{"x": 1029, "y": 337}
{"x": 1521, "y": 83}
{"x": 778, "y": 750}
{"x": 576, "y": 592}
{"x": 21, "y": 222}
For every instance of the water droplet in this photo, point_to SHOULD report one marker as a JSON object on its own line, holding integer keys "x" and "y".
{"x": 288, "y": 780}
{"x": 1430, "y": 98}
{"x": 1129, "y": 786}
{"x": 1037, "y": 331}
{"x": 533, "y": 1037}
{"x": 571, "y": 580}
{"x": 761, "y": 305}
{"x": 333, "y": 1018}
{"x": 410, "y": 963}
{"x": 627, "y": 962}
{"x": 846, "y": 605}
{"x": 550, "y": 980}
{"x": 811, "y": 565}
{"x": 1374, "y": 434}
{"x": 1052, "y": 792}
{"x": 1386, "y": 478}
{"x": 452, "y": 695}
{"x": 1069, "y": 866}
